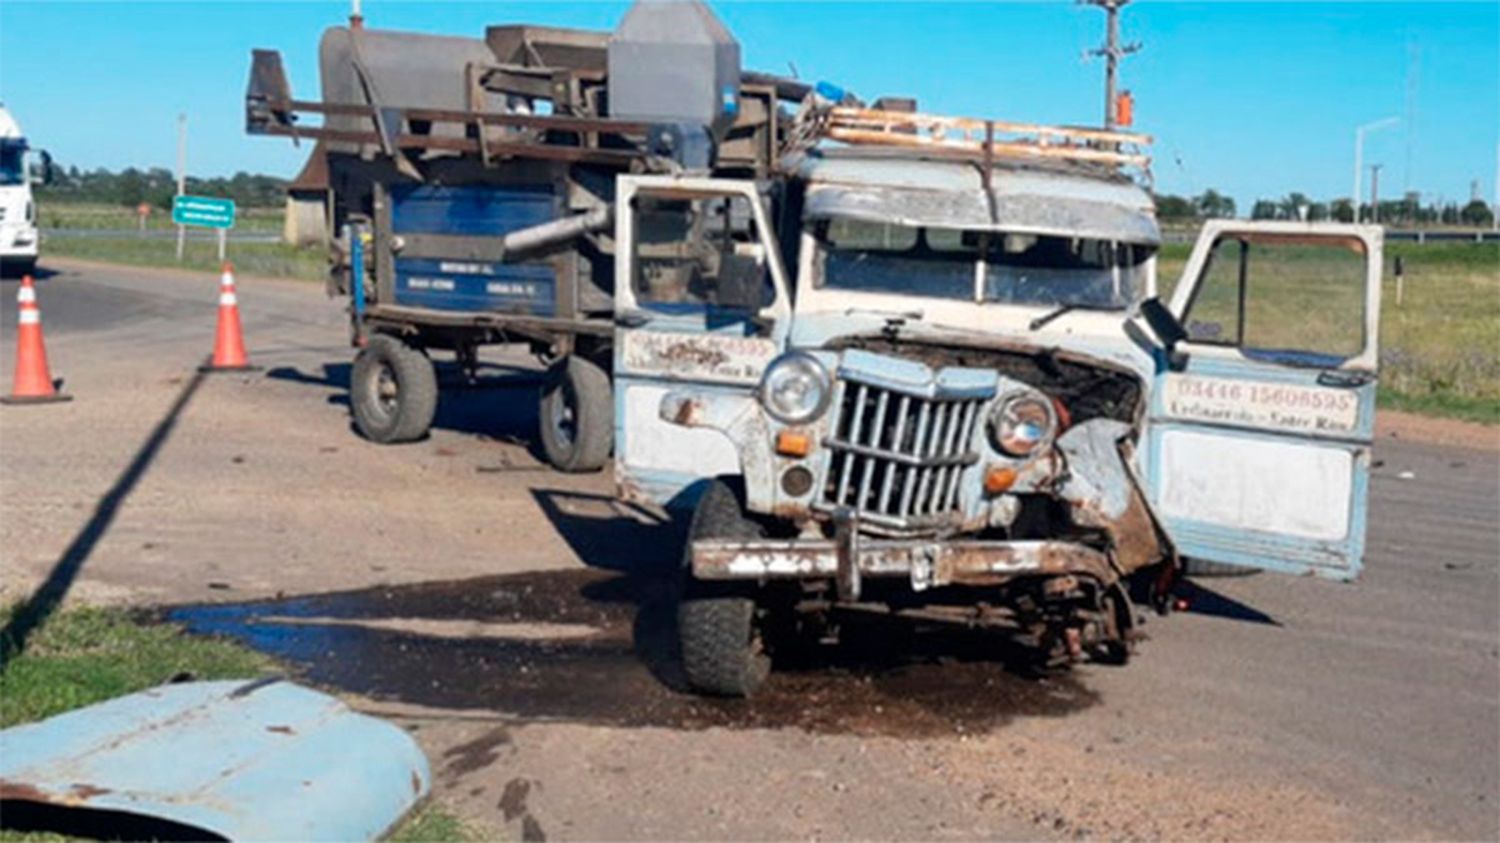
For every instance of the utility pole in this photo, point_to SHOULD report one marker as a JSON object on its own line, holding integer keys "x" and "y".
{"x": 181, "y": 176}
{"x": 1359, "y": 154}
{"x": 1112, "y": 51}
{"x": 1375, "y": 193}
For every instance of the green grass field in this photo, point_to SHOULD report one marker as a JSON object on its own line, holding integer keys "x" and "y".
{"x": 83, "y": 656}
{"x": 96, "y": 216}
{"x": 268, "y": 259}
{"x": 1440, "y": 348}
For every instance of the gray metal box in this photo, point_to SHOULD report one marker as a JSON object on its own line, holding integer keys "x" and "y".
{"x": 672, "y": 61}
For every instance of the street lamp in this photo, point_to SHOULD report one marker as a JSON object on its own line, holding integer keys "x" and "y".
{"x": 1359, "y": 152}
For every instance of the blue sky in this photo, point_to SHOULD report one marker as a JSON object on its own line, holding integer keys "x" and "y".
{"x": 1255, "y": 99}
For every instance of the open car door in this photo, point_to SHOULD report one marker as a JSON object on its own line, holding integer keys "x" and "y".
{"x": 701, "y": 302}
{"x": 1262, "y": 425}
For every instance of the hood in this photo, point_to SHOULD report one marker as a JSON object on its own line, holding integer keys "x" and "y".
{"x": 1121, "y": 346}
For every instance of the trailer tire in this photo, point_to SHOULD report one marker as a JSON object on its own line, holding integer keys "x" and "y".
{"x": 393, "y": 391}
{"x": 718, "y": 624}
{"x": 576, "y": 416}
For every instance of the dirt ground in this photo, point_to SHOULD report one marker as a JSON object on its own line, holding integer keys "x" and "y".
{"x": 1397, "y": 426}
{"x": 510, "y": 617}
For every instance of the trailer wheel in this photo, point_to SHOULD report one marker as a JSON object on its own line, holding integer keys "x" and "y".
{"x": 718, "y": 624}
{"x": 577, "y": 416}
{"x": 393, "y": 391}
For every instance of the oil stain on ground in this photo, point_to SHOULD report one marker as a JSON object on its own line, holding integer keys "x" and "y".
{"x": 625, "y": 672}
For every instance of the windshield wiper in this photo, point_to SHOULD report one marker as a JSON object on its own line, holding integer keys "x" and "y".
{"x": 1063, "y": 310}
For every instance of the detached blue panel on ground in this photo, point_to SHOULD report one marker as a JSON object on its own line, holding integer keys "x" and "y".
{"x": 240, "y": 760}
{"x": 462, "y": 283}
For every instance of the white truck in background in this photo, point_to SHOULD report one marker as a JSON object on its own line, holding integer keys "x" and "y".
{"x": 19, "y": 170}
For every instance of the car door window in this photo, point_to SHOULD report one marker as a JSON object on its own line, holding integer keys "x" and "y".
{"x": 698, "y": 252}
{"x": 1282, "y": 297}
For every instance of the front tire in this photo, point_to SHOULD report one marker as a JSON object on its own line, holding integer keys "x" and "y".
{"x": 393, "y": 391}
{"x": 577, "y": 416}
{"x": 718, "y": 624}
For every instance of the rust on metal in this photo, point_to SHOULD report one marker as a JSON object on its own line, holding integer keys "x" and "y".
{"x": 963, "y": 562}
{"x": 22, "y": 792}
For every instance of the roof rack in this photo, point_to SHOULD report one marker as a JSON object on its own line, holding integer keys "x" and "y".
{"x": 987, "y": 139}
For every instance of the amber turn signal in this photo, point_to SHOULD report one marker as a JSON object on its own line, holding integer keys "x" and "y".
{"x": 999, "y": 479}
{"x": 793, "y": 443}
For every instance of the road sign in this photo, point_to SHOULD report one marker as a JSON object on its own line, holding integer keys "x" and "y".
{"x": 203, "y": 211}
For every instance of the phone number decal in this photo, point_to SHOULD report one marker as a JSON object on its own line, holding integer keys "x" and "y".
{"x": 708, "y": 356}
{"x": 1274, "y": 406}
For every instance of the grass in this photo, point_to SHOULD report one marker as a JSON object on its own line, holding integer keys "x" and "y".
{"x": 83, "y": 656}
{"x": 99, "y": 216}
{"x": 267, "y": 259}
{"x": 433, "y": 823}
{"x": 1440, "y": 348}
{"x": 87, "y": 655}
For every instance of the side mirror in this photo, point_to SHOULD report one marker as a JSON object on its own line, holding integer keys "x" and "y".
{"x": 1167, "y": 329}
{"x": 43, "y": 174}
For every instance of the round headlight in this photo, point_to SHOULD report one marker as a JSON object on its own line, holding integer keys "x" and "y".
{"x": 1022, "y": 423}
{"x": 795, "y": 388}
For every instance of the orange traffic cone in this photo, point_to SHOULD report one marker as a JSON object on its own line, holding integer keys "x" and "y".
{"x": 33, "y": 382}
{"x": 229, "y": 342}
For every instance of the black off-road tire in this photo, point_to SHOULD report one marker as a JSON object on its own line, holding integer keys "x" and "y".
{"x": 393, "y": 391}
{"x": 1204, "y": 568}
{"x": 577, "y": 416}
{"x": 723, "y": 652}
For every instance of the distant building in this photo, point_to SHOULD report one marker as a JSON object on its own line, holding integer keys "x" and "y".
{"x": 306, "y": 222}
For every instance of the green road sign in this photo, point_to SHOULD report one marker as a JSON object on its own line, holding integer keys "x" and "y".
{"x": 204, "y": 211}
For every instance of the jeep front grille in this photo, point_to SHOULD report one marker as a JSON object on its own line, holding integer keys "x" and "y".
{"x": 895, "y": 459}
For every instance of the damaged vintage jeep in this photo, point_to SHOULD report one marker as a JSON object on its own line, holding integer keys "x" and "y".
{"x": 945, "y": 390}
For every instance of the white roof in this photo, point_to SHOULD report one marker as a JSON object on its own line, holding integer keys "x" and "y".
{"x": 9, "y": 128}
{"x": 951, "y": 194}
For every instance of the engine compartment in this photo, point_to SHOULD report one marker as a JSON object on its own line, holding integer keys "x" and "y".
{"x": 1087, "y": 388}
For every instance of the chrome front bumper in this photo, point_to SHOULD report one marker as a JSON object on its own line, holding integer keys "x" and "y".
{"x": 927, "y": 564}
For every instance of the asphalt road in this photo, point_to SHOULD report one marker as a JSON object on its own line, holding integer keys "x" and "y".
{"x": 1278, "y": 708}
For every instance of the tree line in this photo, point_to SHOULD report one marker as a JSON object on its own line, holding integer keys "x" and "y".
{"x": 1408, "y": 210}
{"x": 156, "y": 186}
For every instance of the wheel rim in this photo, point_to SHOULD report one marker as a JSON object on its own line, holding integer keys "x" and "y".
{"x": 386, "y": 390}
{"x": 565, "y": 416}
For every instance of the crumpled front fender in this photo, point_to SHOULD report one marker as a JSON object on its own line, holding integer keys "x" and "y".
{"x": 1102, "y": 492}
{"x": 740, "y": 418}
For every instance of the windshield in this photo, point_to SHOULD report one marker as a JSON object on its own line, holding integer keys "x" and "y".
{"x": 12, "y": 171}
{"x": 987, "y": 266}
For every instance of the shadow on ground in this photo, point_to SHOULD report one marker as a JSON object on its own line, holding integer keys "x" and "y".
{"x": 39, "y": 273}
{"x": 65, "y": 570}
{"x": 501, "y": 403}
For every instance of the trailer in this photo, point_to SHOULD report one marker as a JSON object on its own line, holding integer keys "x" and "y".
{"x": 471, "y": 192}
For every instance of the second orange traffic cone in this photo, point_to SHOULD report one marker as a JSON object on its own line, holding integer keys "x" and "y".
{"x": 229, "y": 341}
{"x": 33, "y": 381}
